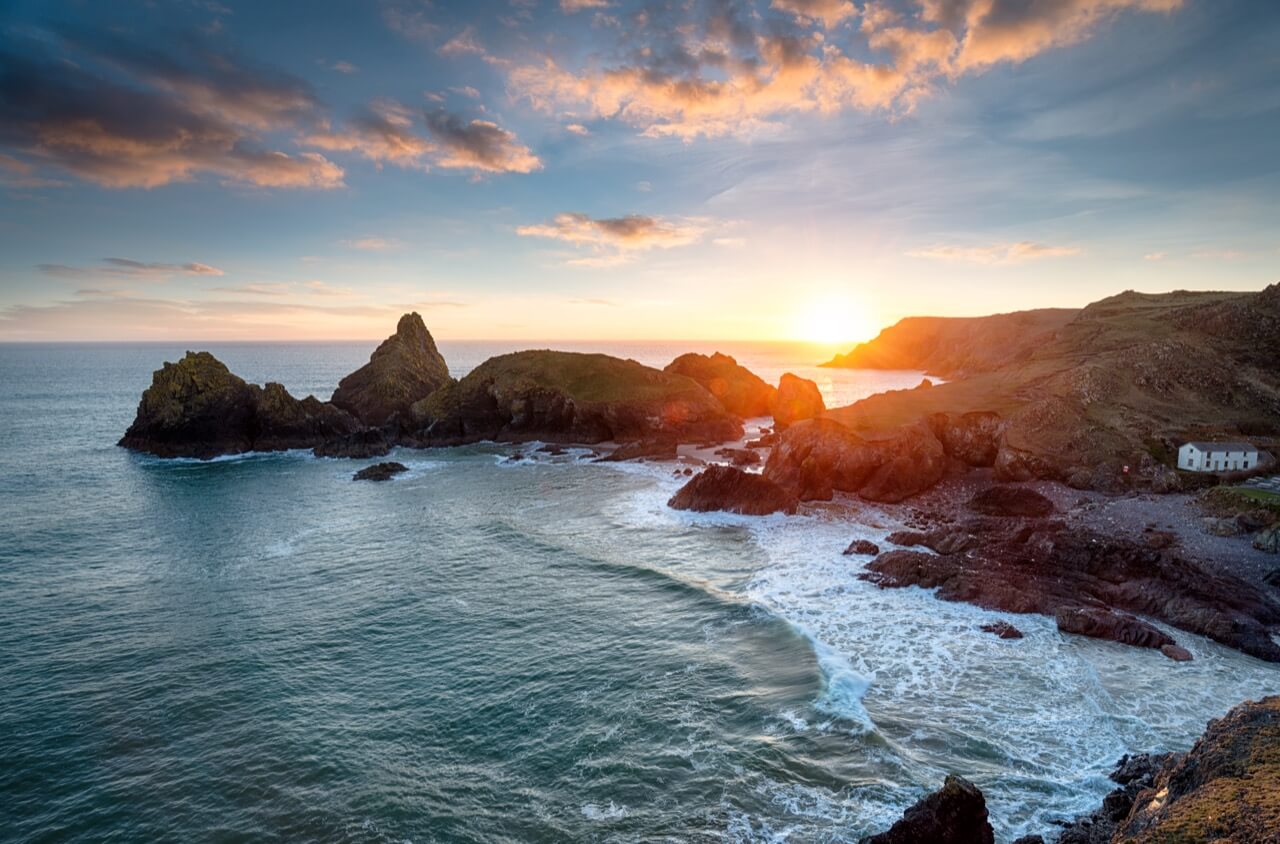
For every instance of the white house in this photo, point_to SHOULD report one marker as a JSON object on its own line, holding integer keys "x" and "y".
{"x": 1217, "y": 457}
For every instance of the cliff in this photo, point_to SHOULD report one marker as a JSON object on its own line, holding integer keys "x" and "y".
{"x": 405, "y": 368}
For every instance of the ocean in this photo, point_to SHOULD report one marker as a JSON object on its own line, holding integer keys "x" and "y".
{"x": 498, "y": 647}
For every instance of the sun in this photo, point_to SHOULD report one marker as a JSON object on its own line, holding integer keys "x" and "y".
{"x": 833, "y": 320}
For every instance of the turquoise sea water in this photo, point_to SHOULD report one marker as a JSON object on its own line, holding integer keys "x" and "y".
{"x": 489, "y": 649}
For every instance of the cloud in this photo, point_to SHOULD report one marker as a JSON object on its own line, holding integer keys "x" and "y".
{"x": 571, "y": 6}
{"x": 373, "y": 244}
{"x": 410, "y": 18}
{"x": 1155, "y": 256}
{"x": 463, "y": 44}
{"x": 478, "y": 145}
{"x": 15, "y": 173}
{"x": 739, "y": 68}
{"x": 829, "y": 12}
{"x": 382, "y": 133}
{"x": 167, "y": 120}
{"x": 577, "y": 129}
{"x": 129, "y": 268}
{"x": 345, "y": 67}
{"x": 616, "y": 239}
{"x": 1000, "y": 253}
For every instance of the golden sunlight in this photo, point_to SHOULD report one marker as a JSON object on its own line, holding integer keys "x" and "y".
{"x": 833, "y": 320}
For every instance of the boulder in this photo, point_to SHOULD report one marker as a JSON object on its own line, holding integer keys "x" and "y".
{"x": 198, "y": 408}
{"x": 732, "y": 490}
{"x": 1268, "y": 540}
{"x": 797, "y": 399}
{"x": 1003, "y": 629}
{"x": 1011, "y": 501}
{"x": 406, "y": 368}
{"x": 641, "y": 450}
{"x": 973, "y": 438}
{"x": 1176, "y": 653}
{"x": 361, "y": 445}
{"x": 1226, "y": 788}
{"x": 864, "y": 547}
{"x": 380, "y": 472}
{"x": 570, "y": 397}
{"x": 742, "y": 392}
{"x": 1101, "y": 623}
{"x": 954, "y": 814}
{"x": 814, "y": 458}
{"x": 739, "y": 456}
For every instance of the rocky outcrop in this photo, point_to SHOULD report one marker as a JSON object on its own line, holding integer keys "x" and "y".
{"x": 570, "y": 397}
{"x": 814, "y": 458}
{"x": 954, "y": 814}
{"x": 1010, "y": 501}
{"x": 734, "y": 491}
{"x": 406, "y": 368}
{"x": 972, "y": 438}
{"x": 742, "y": 392}
{"x": 1268, "y": 540}
{"x": 198, "y": 408}
{"x": 1132, "y": 775}
{"x": 797, "y": 399}
{"x": 1090, "y": 583}
{"x": 862, "y": 547}
{"x": 1002, "y": 629}
{"x": 1226, "y": 788}
{"x": 370, "y": 442}
{"x": 642, "y": 450}
{"x": 380, "y": 472}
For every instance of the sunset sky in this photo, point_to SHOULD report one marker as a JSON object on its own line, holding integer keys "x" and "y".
{"x": 585, "y": 169}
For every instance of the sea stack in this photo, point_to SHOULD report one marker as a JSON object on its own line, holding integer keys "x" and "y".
{"x": 406, "y": 368}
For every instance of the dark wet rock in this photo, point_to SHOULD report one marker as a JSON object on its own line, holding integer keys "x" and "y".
{"x": 950, "y": 539}
{"x": 552, "y": 449}
{"x": 742, "y": 392}
{"x": 764, "y": 441}
{"x": 973, "y": 438}
{"x": 380, "y": 472}
{"x": 1176, "y": 653}
{"x": 739, "y": 456}
{"x": 406, "y": 368}
{"x": 641, "y": 450}
{"x": 1268, "y": 540}
{"x": 1132, "y": 774}
{"x": 1011, "y": 501}
{"x": 360, "y": 445}
{"x": 1003, "y": 629}
{"x": 688, "y": 472}
{"x": 1091, "y": 583}
{"x": 797, "y": 399}
{"x": 198, "y": 408}
{"x": 732, "y": 490}
{"x": 1159, "y": 539}
{"x": 954, "y": 814}
{"x": 570, "y": 397}
{"x": 816, "y": 457}
{"x": 1029, "y": 839}
{"x": 864, "y": 547}
{"x": 1226, "y": 788}
{"x": 1108, "y": 624}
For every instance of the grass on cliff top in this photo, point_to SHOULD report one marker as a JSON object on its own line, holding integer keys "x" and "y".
{"x": 587, "y": 377}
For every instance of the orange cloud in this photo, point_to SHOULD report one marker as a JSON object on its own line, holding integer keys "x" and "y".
{"x": 1000, "y": 253}
{"x": 616, "y": 238}
{"x": 829, "y": 12}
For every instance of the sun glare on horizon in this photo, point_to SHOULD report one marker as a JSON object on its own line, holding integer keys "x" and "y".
{"x": 833, "y": 320}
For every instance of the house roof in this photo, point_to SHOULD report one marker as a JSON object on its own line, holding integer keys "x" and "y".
{"x": 1203, "y": 446}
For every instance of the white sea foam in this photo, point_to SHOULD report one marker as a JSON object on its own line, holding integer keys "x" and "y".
{"x": 594, "y": 812}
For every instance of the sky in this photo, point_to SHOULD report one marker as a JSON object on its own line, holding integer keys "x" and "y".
{"x": 611, "y": 169}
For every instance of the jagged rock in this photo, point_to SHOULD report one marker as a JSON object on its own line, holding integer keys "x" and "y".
{"x": 371, "y": 442}
{"x": 406, "y": 368}
{"x": 380, "y": 472}
{"x": 1226, "y": 788}
{"x": 641, "y": 450}
{"x": 1003, "y": 629}
{"x": 732, "y": 490}
{"x": 1107, "y": 624}
{"x": 862, "y": 546}
{"x": 1009, "y": 501}
{"x": 816, "y": 457}
{"x": 1268, "y": 540}
{"x": 797, "y": 399}
{"x": 954, "y": 814}
{"x": 1133, "y": 774}
{"x": 198, "y": 408}
{"x": 739, "y": 456}
{"x": 944, "y": 540}
{"x": 570, "y": 397}
{"x": 742, "y": 392}
{"x": 1089, "y": 582}
{"x": 973, "y": 438}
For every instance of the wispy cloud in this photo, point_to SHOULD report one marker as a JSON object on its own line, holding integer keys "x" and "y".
{"x": 465, "y": 43}
{"x": 616, "y": 239}
{"x": 372, "y": 244}
{"x": 999, "y": 253}
{"x": 131, "y": 269}
{"x": 479, "y": 145}
{"x": 345, "y": 67}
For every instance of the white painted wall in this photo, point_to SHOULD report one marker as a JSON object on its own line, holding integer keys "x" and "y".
{"x": 1193, "y": 459}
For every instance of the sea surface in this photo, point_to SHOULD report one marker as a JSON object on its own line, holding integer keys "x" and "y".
{"x": 500, "y": 648}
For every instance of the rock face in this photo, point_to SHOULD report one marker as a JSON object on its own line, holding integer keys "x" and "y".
{"x": 1090, "y": 583}
{"x": 797, "y": 399}
{"x": 973, "y": 438}
{"x": 742, "y": 392}
{"x": 954, "y": 814}
{"x": 732, "y": 490}
{"x": 1226, "y": 788}
{"x": 569, "y": 397}
{"x": 1133, "y": 774}
{"x": 816, "y": 457}
{"x": 406, "y": 368}
{"x": 642, "y": 450}
{"x": 197, "y": 408}
{"x": 380, "y": 472}
{"x": 1010, "y": 501}
{"x": 1268, "y": 540}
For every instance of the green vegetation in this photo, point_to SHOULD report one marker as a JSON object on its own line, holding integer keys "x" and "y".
{"x": 1230, "y": 499}
{"x": 586, "y": 377}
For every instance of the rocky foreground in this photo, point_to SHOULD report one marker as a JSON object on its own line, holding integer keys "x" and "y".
{"x": 1225, "y": 789}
